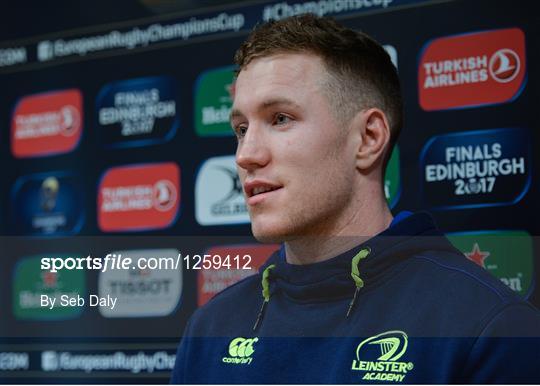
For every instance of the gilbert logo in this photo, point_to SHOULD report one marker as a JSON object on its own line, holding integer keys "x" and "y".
{"x": 240, "y": 351}
{"x": 219, "y": 197}
{"x": 469, "y": 70}
{"x": 46, "y": 124}
{"x": 378, "y": 357}
{"x": 139, "y": 197}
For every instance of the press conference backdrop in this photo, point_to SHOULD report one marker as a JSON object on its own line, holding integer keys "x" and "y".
{"x": 117, "y": 137}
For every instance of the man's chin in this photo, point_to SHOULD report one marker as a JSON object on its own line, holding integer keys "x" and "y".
{"x": 268, "y": 238}
{"x": 269, "y": 235}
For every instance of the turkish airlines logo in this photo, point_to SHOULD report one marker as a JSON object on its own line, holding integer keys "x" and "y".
{"x": 470, "y": 70}
{"x": 47, "y": 124}
{"x": 164, "y": 195}
{"x": 139, "y": 197}
{"x": 504, "y": 65}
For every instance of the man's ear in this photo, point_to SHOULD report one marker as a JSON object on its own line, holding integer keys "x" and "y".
{"x": 375, "y": 133}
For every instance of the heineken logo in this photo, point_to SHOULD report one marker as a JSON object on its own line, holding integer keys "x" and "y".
{"x": 213, "y": 102}
{"x": 507, "y": 255}
{"x": 392, "y": 178}
{"x": 31, "y": 283}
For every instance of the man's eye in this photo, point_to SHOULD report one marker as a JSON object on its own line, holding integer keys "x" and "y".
{"x": 281, "y": 119}
{"x": 241, "y": 131}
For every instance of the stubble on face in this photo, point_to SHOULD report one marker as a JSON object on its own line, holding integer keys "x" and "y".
{"x": 314, "y": 162}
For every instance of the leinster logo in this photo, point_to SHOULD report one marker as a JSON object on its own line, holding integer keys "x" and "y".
{"x": 476, "y": 168}
{"x": 378, "y": 357}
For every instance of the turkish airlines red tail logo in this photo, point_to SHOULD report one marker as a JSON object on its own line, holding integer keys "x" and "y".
{"x": 46, "y": 124}
{"x": 139, "y": 197}
{"x": 472, "y": 70}
{"x": 504, "y": 65}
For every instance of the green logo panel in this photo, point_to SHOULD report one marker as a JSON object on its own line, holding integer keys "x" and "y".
{"x": 31, "y": 283}
{"x": 213, "y": 102}
{"x": 392, "y": 179}
{"x": 508, "y": 255}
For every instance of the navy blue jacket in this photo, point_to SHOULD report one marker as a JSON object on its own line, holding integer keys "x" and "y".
{"x": 422, "y": 313}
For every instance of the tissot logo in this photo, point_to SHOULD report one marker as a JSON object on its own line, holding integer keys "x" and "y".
{"x": 137, "y": 112}
{"x": 138, "y": 197}
{"x": 142, "y": 292}
{"x": 47, "y": 124}
{"x": 47, "y": 204}
{"x": 219, "y": 197}
{"x": 473, "y": 69}
{"x": 377, "y": 357}
{"x": 508, "y": 255}
{"x": 476, "y": 168}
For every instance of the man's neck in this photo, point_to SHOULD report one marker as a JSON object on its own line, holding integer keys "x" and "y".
{"x": 364, "y": 224}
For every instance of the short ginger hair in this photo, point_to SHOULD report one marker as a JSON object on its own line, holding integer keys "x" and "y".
{"x": 360, "y": 72}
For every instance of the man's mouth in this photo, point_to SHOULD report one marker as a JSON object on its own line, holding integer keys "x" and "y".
{"x": 257, "y": 189}
{"x": 262, "y": 189}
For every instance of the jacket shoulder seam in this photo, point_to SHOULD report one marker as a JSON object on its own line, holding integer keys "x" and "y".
{"x": 501, "y": 296}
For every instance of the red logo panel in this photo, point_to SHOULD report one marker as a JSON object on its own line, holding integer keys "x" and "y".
{"x": 212, "y": 281}
{"x": 46, "y": 124}
{"x": 139, "y": 197}
{"x": 471, "y": 70}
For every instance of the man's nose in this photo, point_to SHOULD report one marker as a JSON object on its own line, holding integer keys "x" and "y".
{"x": 253, "y": 150}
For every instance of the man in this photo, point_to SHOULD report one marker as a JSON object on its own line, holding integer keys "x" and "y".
{"x": 354, "y": 295}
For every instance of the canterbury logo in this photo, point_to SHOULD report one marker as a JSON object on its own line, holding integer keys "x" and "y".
{"x": 240, "y": 351}
{"x": 242, "y": 347}
{"x": 392, "y": 344}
